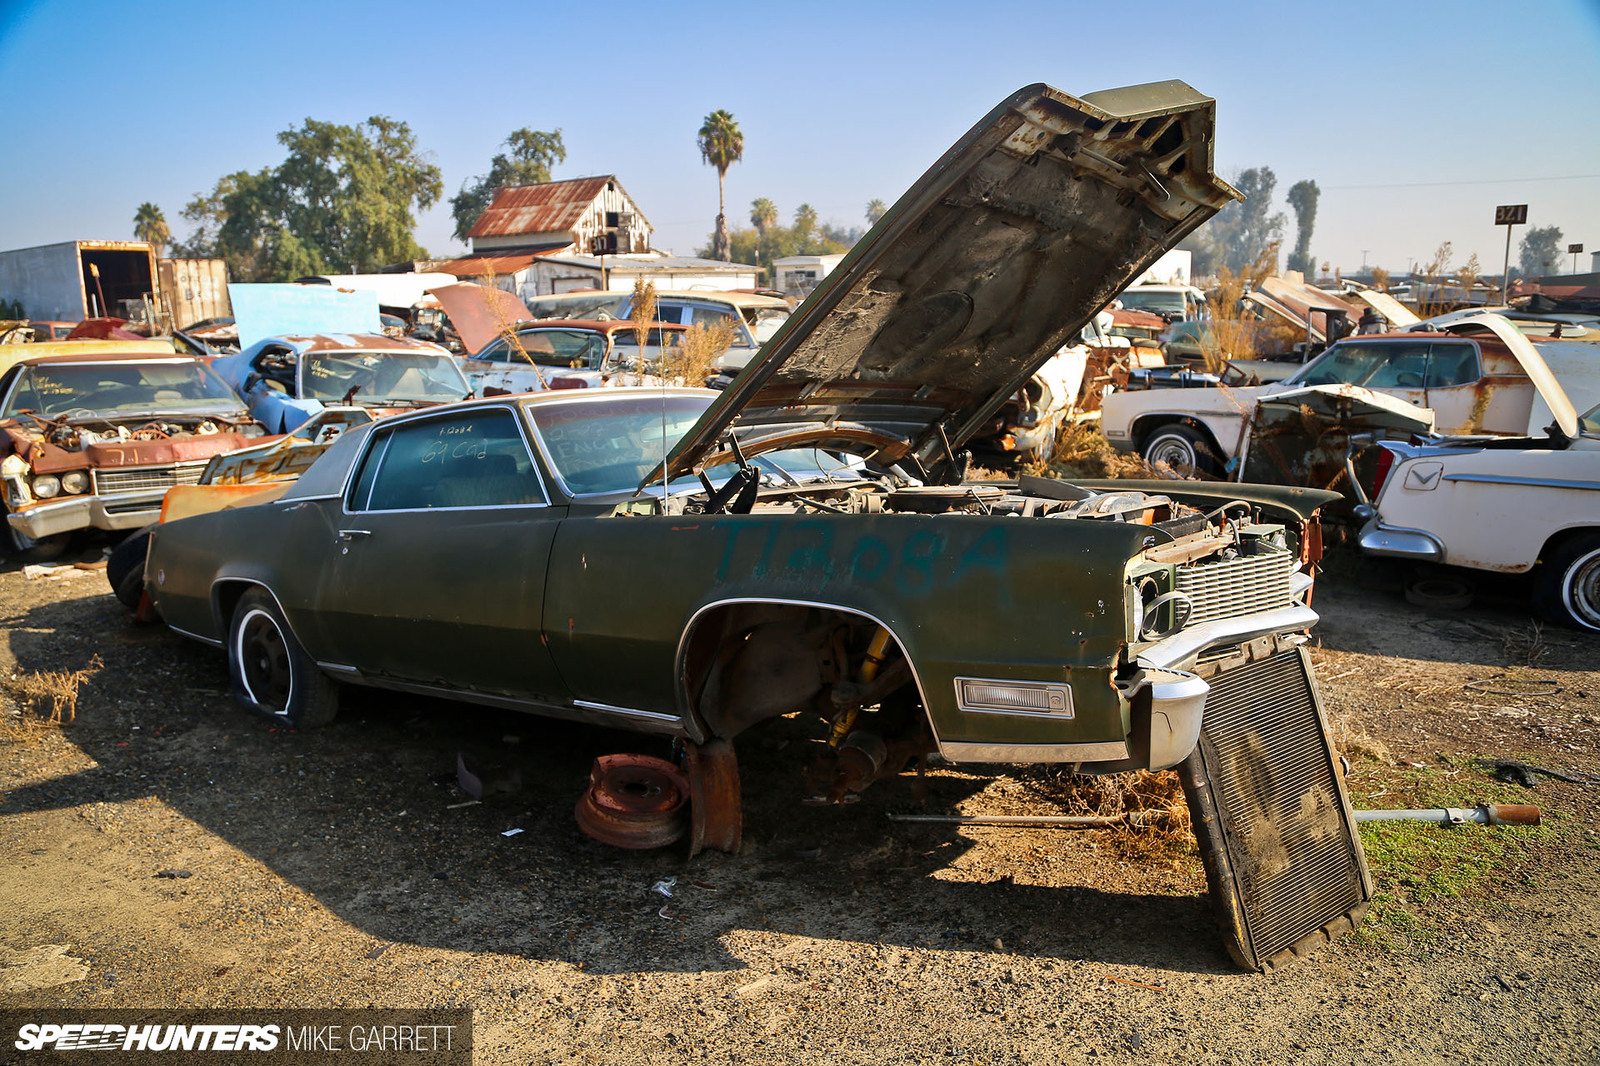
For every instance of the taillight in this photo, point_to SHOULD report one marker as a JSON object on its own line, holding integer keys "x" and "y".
{"x": 1385, "y": 463}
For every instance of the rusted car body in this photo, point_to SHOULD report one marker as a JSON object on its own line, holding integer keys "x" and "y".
{"x": 286, "y": 379}
{"x": 95, "y": 440}
{"x": 1105, "y": 626}
{"x": 569, "y": 354}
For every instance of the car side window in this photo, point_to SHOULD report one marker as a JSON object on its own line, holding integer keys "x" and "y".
{"x": 1452, "y": 364}
{"x": 472, "y": 458}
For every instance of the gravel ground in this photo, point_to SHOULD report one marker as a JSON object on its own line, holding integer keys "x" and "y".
{"x": 163, "y": 849}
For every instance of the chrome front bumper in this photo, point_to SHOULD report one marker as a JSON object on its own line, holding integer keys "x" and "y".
{"x": 131, "y": 510}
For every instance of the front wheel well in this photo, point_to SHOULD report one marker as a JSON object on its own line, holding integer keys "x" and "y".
{"x": 1144, "y": 428}
{"x": 745, "y": 662}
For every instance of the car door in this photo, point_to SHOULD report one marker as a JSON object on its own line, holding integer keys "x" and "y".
{"x": 1453, "y": 386}
{"x": 436, "y": 573}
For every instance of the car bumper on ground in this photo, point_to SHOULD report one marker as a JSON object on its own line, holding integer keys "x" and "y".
{"x": 123, "y": 511}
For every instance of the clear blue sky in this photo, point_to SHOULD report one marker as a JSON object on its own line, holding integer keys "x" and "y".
{"x": 1415, "y": 119}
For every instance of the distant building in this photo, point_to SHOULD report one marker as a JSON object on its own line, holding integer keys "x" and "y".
{"x": 797, "y": 275}
{"x": 538, "y": 240}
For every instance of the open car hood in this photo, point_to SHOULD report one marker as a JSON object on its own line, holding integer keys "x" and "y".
{"x": 1374, "y": 409}
{"x": 1544, "y": 382}
{"x": 479, "y": 313}
{"x": 993, "y": 260}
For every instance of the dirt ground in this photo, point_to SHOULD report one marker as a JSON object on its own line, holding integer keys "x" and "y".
{"x": 163, "y": 849}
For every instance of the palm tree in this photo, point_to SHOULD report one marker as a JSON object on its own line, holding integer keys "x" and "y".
{"x": 875, "y": 211}
{"x": 149, "y": 224}
{"x": 763, "y": 213}
{"x": 721, "y": 146}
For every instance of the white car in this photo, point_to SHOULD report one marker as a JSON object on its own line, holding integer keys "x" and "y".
{"x": 1471, "y": 375}
{"x": 1510, "y": 505}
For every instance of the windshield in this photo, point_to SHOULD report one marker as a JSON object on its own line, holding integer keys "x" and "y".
{"x": 1589, "y": 422}
{"x": 1135, "y": 300}
{"x": 611, "y": 446}
{"x": 767, "y": 321}
{"x": 577, "y": 349}
{"x": 168, "y": 386}
{"x": 381, "y": 377}
{"x": 1394, "y": 364}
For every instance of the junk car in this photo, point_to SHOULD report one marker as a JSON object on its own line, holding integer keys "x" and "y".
{"x": 287, "y": 379}
{"x": 648, "y": 576}
{"x": 569, "y": 354}
{"x": 94, "y": 440}
{"x": 1526, "y": 504}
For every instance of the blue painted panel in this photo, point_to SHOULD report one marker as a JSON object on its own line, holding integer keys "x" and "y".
{"x": 274, "y": 310}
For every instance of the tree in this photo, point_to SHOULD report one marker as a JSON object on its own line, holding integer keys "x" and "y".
{"x": 1240, "y": 232}
{"x": 149, "y": 224}
{"x": 763, "y": 213}
{"x": 533, "y": 154}
{"x": 342, "y": 201}
{"x": 875, "y": 210}
{"x": 769, "y": 242}
{"x": 1303, "y": 196}
{"x": 1539, "y": 254}
{"x": 721, "y": 146}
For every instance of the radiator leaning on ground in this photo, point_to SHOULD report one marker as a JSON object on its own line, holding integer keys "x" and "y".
{"x": 1271, "y": 815}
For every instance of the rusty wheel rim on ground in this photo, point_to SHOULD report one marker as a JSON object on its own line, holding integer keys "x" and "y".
{"x": 634, "y": 801}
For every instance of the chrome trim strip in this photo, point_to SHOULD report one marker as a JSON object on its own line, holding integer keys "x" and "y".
{"x": 1376, "y": 538}
{"x": 1182, "y": 648}
{"x": 694, "y": 619}
{"x": 196, "y": 636}
{"x": 338, "y": 668}
{"x": 1539, "y": 482}
{"x": 1101, "y": 751}
{"x": 665, "y": 725}
{"x": 632, "y": 712}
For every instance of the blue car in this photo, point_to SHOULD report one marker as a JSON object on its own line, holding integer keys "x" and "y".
{"x": 285, "y": 380}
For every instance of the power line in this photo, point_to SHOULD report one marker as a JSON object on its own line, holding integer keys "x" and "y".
{"x": 1485, "y": 181}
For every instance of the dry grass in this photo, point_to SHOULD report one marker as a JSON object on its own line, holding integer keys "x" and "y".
{"x": 486, "y": 279}
{"x": 51, "y": 695}
{"x": 1524, "y": 647}
{"x": 1157, "y": 796}
{"x": 644, "y": 311}
{"x": 1082, "y": 451}
{"x": 1237, "y": 334}
{"x": 688, "y": 361}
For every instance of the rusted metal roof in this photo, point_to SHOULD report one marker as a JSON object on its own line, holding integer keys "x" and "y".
{"x": 553, "y": 207}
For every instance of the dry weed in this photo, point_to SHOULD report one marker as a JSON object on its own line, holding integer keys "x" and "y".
{"x": 644, "y": 311}
{"x": 52, "y": 695}
{"x": 1082, "y": 451}
{"x": 1163, "y": 829}
{"x": 486, "y": 279}
{"x": 1524, "y": 647}
{"x": 688, "y": 361}
{"x": 1237, "y": 334}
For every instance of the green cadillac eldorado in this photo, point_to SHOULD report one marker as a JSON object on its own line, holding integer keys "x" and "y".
{"x": 692, "y": 564}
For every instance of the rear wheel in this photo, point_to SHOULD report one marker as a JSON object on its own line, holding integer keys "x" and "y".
{"x": 270, "y": 672}
{"x": 1183, "y": 448}
{"x": 1567, "y": 588}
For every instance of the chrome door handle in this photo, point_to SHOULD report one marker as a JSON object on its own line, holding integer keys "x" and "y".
{"x": 352, "y": 534}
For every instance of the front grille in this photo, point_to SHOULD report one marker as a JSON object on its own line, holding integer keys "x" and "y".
{"x": 141, "y": 478}
{"x": 1234, "y": 587}
{"x": 1274, "y": 824}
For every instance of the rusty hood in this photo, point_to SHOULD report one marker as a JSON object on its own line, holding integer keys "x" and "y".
{"x": 995, "y": 258}
{"x": 479, "y": 313}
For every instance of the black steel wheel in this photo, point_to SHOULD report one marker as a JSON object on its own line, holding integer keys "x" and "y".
{"x": 270, "y": 672}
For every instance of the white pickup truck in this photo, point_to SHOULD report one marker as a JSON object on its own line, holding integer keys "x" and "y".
{"x": 1508, "y": 504}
